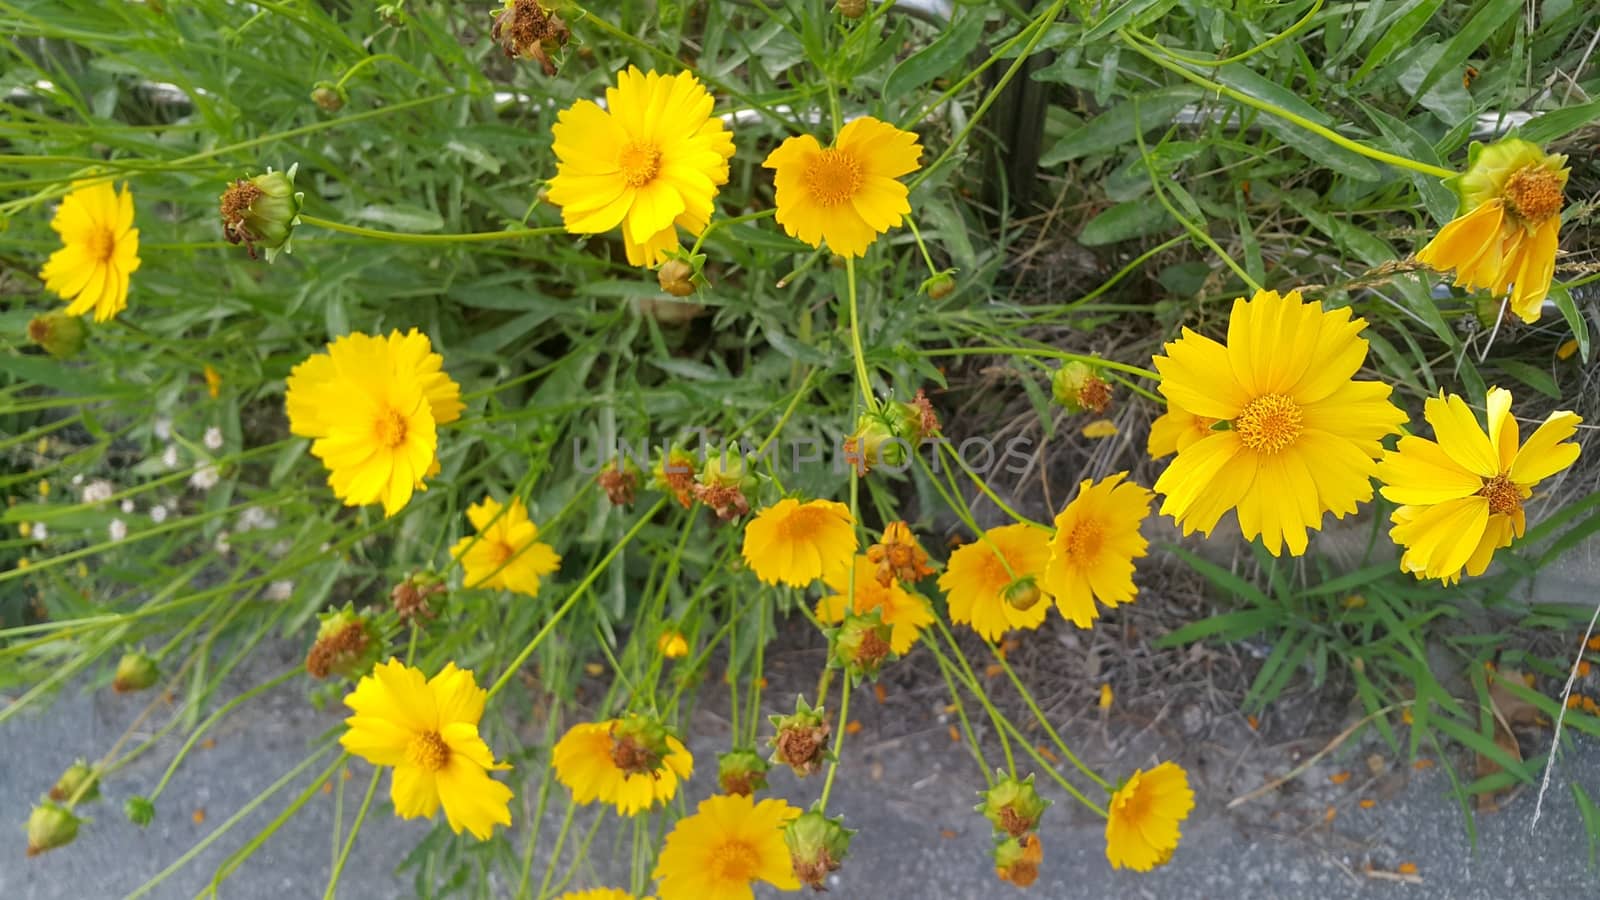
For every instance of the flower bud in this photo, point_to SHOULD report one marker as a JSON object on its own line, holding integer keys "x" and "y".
{"x": 1013, "y": 806}
{"x": 78, "y": 784}
{"x": 898, "y": 556}
{"x": 676, "y": 277}
{"x": 51, "y": 825}
{"x": 674, "y": 473}
{"x": 262, "y": 211}
{"x": 329, "y": 97}
{"x": 1017, "y": 860}
{"x": 418, "y": 597}
{"x": 1022, "y": 594}
{"x": 619, "y": 482}
{"x": 941, "y": 285}
{"x": 61, "y": 335}
{"x": 861, "y": 644}
{"x": 741, "y": 772}
{"x": 851, "y": 9}
{"x": 725, "y": 484}
{"x": 139, "y": 810}
{"x": 801, "y": 741}
{"x": 1076, "y": 387}
{"x": 347, "y": 645}
{"x": 527, "y": 30}
{"x": 817, "y": 845}
{"x": 135, "y": 672}
{"x": 638, "y": 744}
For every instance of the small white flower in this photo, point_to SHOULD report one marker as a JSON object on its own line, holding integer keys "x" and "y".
{"x": 281, "y": 548}
{"x": 213, "y": 438}
{"x": 205, "y": 478}
{"x": 77, "y": 480}
{"x": 127, "y": 506}
{"x": 255, "y": 517}
{"x": 222, "y": 545}
{"x": 158, "y": 514}
{"x": 98, "y": 491}
{"x": 169, "y": 456}
{"x": 40, "y": 532}
{"x": 117, "y": 529}
{"x": 280, "y": 590}
{"x": 163, "y": 429}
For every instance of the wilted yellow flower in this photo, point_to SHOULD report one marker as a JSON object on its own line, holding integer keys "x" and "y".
{"x": 506, "y": 553}
{"x": 905, "y": 613}
{"x": 1504, "y": 236}
{"x": 1463, "y": 491}
{"x": 373, "y": 405}
{"x": 651, "y": 161}
{"x": 427, "y": 729}
{"x": 1096, "y": 541}
{"x": 845, "y": 194}
{"x": 1301, "y": 438}
{"x": 630, "y": 763}
{"x": 100, "y": 249}
{"x": 898, "y": 556}
{"x": 992, "y": 584}
{"x": 1142, "y": 828}
{"x": 729, "y": 843}
{"x": 794, "y": 543}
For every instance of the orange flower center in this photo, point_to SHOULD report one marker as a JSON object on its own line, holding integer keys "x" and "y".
{"x": 428, "y": 752}
{"x": 1268, "y": 423}
{"x": 735, "y": 861}
{"x": 832, "y": 177}
{"x": 1503, "y": 495}
{"x": 100, "y": 245}
{"x": 639, "y": 162}
{"x": 389, "y": 431}
{"x": 500, "y": 551}
{"x": 1533, "y": 193}
{"x": 1084, "y": 540}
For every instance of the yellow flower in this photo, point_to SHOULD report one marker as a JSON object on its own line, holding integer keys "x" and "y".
{"x": 1301, "y": 438}
{"x": 599, "y": 763}
{"x": 672, "y": 645}
{"x": 651, "y": 161}
{"x": 506, "y": 554}
{"x": 1142, "y": 828}
{"x": 905, "y": 613}
{"x": 1463, "y": 491}
{"x": 729, "y": 843}
{"x": 1097, "y": 539}
{"x": 598, "y": 894}
{"x": 213, "y": 382}
{"x": 427, "y": 729}
{"x": 845, "y": 194}
{"x": 100, "y": 249}
{"x": 372, "y": 405}
{"x": 992, "y": 585}
{"x": 1504, "y": 235}
{"x": 1099, "y": 428}
{"x": 1176, "y": 429}
{"x": 793, "y": 543}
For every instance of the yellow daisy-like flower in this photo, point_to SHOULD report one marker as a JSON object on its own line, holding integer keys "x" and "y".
{"x": 100, "y": 249}
{"x": 1463, "y": 491}
{"x": 905, "y": 613}
{"x": 1301, "y": 437}
{"x": 373, "y": 405}
{"x": 1504, "y": 235}
{"x": 427, "y": 729}
{"x": 846, "y": 194}
{"x": 793, "y": 543}
{"x": 729, "y": 843}
{"x": 1175, "y": 430}
{"x": 992, "y": 584}
{"x": 598, "y": 894}
{"x": 651, "y": 160}
{"x": 1142, "y": 828}
{"x": 1097, "y": 539}
{"x": 672, "y": 645}
{"x": 506, "y": 554}
{"x": 599, "y": 763}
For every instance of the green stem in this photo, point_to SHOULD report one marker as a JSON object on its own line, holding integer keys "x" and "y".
{"x": 838, "y": 741}
{"x": 736, "y": 220}
{"x": 215, "y": 717}
{"x": 862, "y": 377}
{"x": 405, "y": 238}
{"x": 355, "y": 830}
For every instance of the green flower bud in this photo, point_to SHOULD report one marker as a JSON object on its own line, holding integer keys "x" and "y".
{"x": 801, "y": 741}
{"x": 1076, "y": 387}
{"x": 139, "y": 810}
{"x": 940, "y": 285}
{"x": 329, "y": 96}
{"x": 347, "y": 645}
{"x": 135, "y": 672}
{"x": 861, "y": 644}
{"x": 638, "y": 744}
{"x": 725, "y": 484}
{"x": 51, "y": 825}
{"x": 817, "y": 845}
{"x": 1022, "y": 594}
{"x": 77, "y": 784}
{"x": 741, "y": 772}
{"x": 262, "y": 211}
{"x": 1013, "y": 806}
{"x": 1017, "y": 860}
{"x": 61, "y": 335}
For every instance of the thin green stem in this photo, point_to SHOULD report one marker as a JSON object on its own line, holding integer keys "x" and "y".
{"x": 838, "y": 741}
{"x": 355, "y": 831}
{"x": 406, "y": 238}
{"x": 862, "y": 378}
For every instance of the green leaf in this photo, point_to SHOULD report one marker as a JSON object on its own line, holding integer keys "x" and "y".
{"x": 1591, "y": 818}
{"x": 1228, "y": 627}
{"x": 1114, "y": 127}
{"x": 44, "y": 370}
{"x": 1532, "y": 376}
{"x": 1136, "y": 218}
{"x": 1557, "y": 123}
{"x": 1134, "y": 12}
{"x": 1313, "y": 147}
{"x": 402, "y": 218}
{"x": 1575, "y": 319}
{"x": 1468, "y": 39}
{"x": 1408, "y": 20}
{"x": 1480, "y": 743}
{"x": 1222, "y": 578}
{"x": 939, "y": 57}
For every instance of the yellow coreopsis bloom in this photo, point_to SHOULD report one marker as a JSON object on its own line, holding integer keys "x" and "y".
{"x": 651, "y": 161}
{"x": 100, "y": 249}
{"x": 373, "y": 405}
{"x": 1144, "y": 814}
{"x": 1096, "y": 541}
{"x": 1463, "y": 491}
{"x": 793, "y": 543}
{"x": 629, "y": 764}
{"x": 506, "y": 553}
{"x": 598, "y": 894}
{"x": 1504, "y": 235}
{"x": 905, "y": 613}
{"x": 1301, "y": 437}
{"x": 427, "y": 729}
{"x": 728, "y": 844}
{"x": 845, "y": 194}
{"x": 992, "y": 584}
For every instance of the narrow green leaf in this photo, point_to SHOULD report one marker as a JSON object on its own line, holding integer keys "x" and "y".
{"x": 1240, "y": 78}
{"x": 1114, "y": 127}
{"x": 1532, "y": 376}
{"x": 1136, "y": 218}
{"x": 1468, "y": 39}
{"x": 939, "y": 57}
{"x": 1407, "y": 22}
{"x": 1575, "y": 319}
